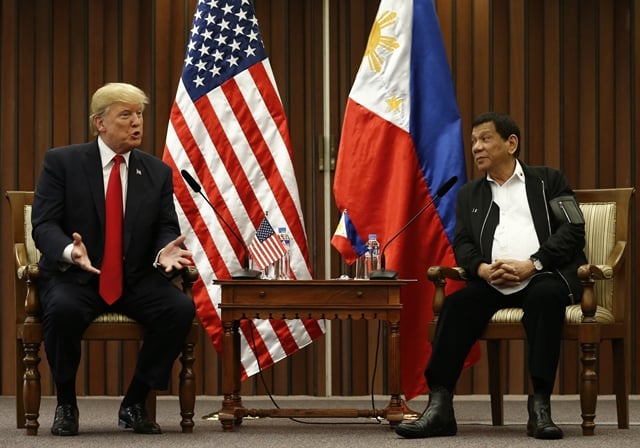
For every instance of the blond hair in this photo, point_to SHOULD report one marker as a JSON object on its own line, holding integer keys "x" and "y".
{"x": 114, "y": 92}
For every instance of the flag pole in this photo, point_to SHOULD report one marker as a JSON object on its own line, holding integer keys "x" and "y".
{"x": 326, "y": 99}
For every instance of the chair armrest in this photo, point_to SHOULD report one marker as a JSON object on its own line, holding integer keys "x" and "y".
{"x": 438, "y": 275}
{"x": 188, "y": 276}
{"x": 590, "y": 273}
{"x": 20, "y": 253}
{"x": 617, "y": 255}
{"x": 27, "y": 273}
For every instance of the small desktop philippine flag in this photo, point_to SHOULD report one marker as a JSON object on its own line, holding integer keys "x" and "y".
{"x": 347, "y": 241}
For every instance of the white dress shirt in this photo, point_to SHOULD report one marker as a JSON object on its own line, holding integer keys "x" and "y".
{"x": 515, "y": 236}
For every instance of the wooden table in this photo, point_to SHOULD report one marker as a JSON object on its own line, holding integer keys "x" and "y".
{"x": 302, "y": 299}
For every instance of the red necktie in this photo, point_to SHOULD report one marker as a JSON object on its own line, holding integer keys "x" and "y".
{"x": 111, "y": 270}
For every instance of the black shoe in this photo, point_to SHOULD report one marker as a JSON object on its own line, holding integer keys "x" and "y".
{"x": 65, "y": 422}
{"x": 437, "y": 420}
{"x": 540, "y": 424}
{"x": 136, "y": 417}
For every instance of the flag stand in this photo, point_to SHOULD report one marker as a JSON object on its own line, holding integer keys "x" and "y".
{"x": 215, "y": 416}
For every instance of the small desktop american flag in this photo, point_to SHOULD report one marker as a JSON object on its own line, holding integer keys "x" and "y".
{"x": 266, "y": 247}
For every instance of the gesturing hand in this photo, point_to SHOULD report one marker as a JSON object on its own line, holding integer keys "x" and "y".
{"x": 79, "y": 255}
{"x": 173, "y": 256}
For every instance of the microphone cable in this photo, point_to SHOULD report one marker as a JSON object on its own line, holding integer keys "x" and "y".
{"x": 254, "y": 350}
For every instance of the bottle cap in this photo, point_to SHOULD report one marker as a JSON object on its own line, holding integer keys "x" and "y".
{"x": 282, "y": 229}
{"x": 373, "y": 236}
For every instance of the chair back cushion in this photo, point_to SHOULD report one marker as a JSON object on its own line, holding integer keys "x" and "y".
{"x": 33, "y": 254}
{"x": 600, "y": 237}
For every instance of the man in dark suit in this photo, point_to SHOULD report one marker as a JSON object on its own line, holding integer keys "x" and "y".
{"x": 74, "y": 232}
{"x": 517, "y": 253}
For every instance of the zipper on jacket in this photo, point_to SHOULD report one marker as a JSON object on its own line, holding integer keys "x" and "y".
{"x": 546, "y": 209}
{"x": 567, "y": 285}
{"x": 484, "y": 223}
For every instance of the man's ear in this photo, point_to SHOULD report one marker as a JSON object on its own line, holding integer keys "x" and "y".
{"x": 98, "y": 122}
{"x": 513, "y": 143}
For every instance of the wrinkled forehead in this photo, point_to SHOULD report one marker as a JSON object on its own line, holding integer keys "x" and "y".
{"x": 121, "y": 106}
{"x": 488, "y": 127}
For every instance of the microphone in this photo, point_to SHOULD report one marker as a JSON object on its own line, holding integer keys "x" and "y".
{"x": 382, "y": 273}
{"x": 245, "y": 273}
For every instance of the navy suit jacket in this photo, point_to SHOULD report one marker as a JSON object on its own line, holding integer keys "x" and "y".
{"x": 70, "y": 197}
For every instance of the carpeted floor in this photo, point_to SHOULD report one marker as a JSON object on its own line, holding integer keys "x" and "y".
{"x": 98, "y": 425}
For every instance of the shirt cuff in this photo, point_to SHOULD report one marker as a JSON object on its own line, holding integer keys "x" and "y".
{"x": 66, "y": 254}
{"x": 156, "y": 264}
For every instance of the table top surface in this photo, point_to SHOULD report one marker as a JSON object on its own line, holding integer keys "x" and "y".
{"x": 348, "y": 283}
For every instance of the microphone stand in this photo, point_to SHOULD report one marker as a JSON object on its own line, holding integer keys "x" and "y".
{"x": 383, "y": 273}
{"x": 246, "y": 273}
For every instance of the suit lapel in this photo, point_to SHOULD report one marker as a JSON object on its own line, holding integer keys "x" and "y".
{"x": 136, "y": 185}
{"x": 93, "y": 172}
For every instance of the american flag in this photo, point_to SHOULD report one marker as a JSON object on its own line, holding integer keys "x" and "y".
{"x": 227, "y": 125}
{"x": 266, "y": 247}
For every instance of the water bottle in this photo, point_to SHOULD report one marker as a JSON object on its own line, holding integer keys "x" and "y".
{"x": 361, "y": 262}
{"x": 270, "y": 271}
{"x": 372, "y": 255}
{"x": 284, "y": 263}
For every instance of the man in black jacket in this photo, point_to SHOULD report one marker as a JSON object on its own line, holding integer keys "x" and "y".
{"x": 516, "y": 253}
{"x": 72, "y": 227}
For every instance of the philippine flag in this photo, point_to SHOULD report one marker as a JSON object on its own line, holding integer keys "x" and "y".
{"x": 401, "y": 140}
{"x": 347, "y": 241}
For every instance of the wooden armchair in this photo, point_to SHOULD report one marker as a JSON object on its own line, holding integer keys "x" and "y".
{"x": 109, "y": 326}
{"x": 603, "y": 314}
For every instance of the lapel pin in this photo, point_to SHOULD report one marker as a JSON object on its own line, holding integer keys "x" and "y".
{"x": 138, "y": 172}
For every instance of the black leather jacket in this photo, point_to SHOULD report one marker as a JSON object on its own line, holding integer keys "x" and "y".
{"x": 561, "y": 243}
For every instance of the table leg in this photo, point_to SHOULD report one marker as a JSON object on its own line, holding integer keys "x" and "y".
{"x": 394, "y": 412}
{"x": 237, "y": 383}
{"x": 227, "y": 413}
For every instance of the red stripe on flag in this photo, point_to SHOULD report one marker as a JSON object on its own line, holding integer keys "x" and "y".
{"x": 209, "y": 317}
{"x": 256, "y": 343}
{"x": 197, "y": 160}
{"x": 313, "y": 328}
{"x": 284, "y": 335}
{"x": 196, "y": 222}
{"x": 229, "y": 158}
{"x": 271, "y": 99}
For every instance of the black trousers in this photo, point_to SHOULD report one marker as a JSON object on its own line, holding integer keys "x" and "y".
{"x": 465, "y": 315}
{"x": 164, "y": 311}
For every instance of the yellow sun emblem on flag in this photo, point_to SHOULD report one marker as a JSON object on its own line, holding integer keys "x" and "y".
{"x": 377, "y": 40}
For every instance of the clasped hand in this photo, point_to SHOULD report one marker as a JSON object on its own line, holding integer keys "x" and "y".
{"x": 506, "y": 272}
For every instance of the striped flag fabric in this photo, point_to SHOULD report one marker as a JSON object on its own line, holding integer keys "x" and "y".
{"x": 347, "y": 241}
{"x": 228, "y": 128}
{"x": 401, "y": 140}
{"x": 266, "y": 247}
